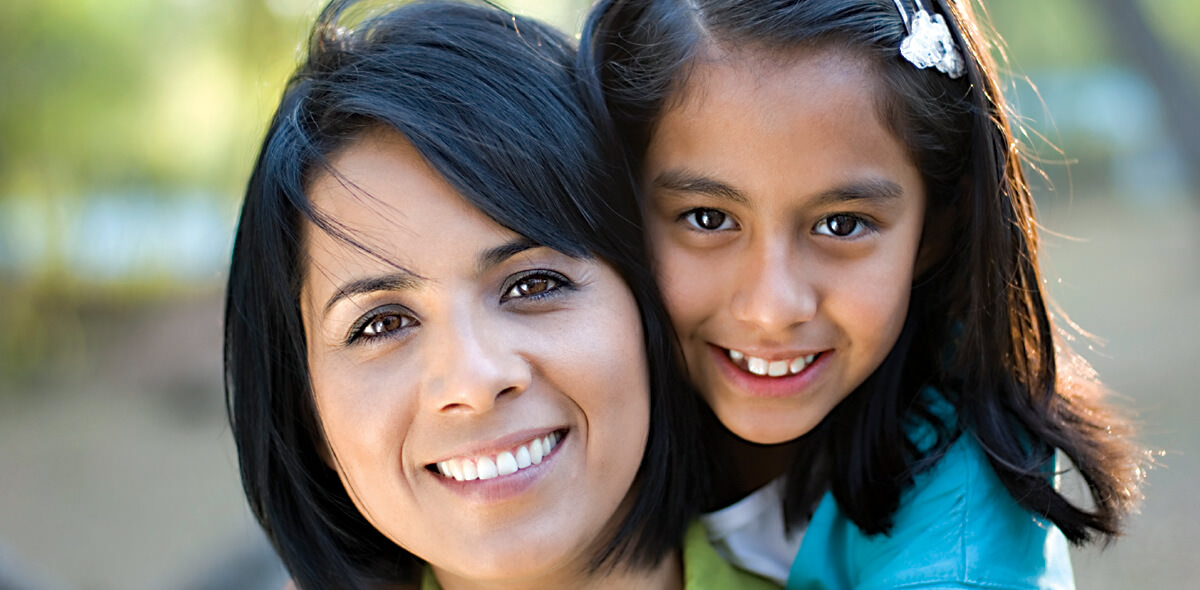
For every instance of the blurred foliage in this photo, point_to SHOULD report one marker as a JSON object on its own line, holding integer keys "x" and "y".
{"x": 1121, "y": 126}
{"x": 110, "y": 94}
{"x": 114, "y": 97}
{"x": 1072, "y": 33}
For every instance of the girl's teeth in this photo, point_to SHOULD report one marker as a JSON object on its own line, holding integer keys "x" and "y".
{"x": 799, "y": 364}
{"x": 757, "y": 366}
{"x": 777, "y": 368}
{"x": 505, "y": 463}
{"x": 765, "y": 368}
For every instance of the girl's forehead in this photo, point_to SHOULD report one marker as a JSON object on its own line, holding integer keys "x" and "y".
{"x": 775, "y": 75}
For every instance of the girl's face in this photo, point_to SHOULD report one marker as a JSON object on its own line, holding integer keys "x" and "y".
{"x": 484, "y": 400}
{"x": 784, "y": 219}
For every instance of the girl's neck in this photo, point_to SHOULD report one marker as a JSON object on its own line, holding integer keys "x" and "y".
{"x": 667, "y": 575}
{"x": 743, "y": 467}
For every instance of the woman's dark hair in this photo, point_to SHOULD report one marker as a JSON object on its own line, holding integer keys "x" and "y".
{"x": 978, "y": 329}
{"x": 490, "y": 101}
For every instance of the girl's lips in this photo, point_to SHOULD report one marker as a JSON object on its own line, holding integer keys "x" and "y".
{"x": 778, "y": 377}
{"x": 777, "y": 367}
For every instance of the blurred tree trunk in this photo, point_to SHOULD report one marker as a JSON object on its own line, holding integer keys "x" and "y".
{"x": 1144, "y": 49}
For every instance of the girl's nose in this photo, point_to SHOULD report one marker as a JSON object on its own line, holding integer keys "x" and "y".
{"x": 773, "y": 293}
{"x": 470, "y": 365}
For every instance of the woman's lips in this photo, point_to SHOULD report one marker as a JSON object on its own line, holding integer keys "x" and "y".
{"x": 506, "y": 462}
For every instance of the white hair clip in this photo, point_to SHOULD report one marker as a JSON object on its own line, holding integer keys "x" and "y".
{"x": 929, "y": 42}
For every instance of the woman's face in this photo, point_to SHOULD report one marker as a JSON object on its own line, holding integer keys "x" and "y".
{"x": 484, "y": 400}
{"x": 784, "y": 220}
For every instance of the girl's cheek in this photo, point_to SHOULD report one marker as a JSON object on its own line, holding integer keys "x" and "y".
{"x": 681, "y": 277}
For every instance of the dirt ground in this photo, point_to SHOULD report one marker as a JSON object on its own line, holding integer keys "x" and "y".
{"x": 117, "y": 471}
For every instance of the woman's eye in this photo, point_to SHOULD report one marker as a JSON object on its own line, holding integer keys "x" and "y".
{"x": 709, "y": 219}
{"x": 380, "y": 324}
{"x": 384, "y": 324}
{"x": 534, "y": 286}
{"x": 841, "y": 225}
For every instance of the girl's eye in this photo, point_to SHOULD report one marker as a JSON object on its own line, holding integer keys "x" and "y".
{"x": 534, "y": 285}
{"x": 381, "y": 323}
{"x": 842, "y": 225}
{"x": 709, "y": 219}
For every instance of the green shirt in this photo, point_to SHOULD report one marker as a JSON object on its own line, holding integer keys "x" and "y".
{"x": 703, "y": 569}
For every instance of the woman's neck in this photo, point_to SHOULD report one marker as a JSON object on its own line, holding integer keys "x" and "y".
{"x": 667, "y": 575}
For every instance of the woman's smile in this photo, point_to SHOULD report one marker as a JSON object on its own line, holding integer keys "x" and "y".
{"x": 511, "y": 477}
{"x": 485, "y": 466}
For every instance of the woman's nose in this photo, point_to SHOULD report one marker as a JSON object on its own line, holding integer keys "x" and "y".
{"x": 471, "y": 363}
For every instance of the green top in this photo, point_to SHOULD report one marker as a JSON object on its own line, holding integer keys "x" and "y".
{"x": 703, "y": 569}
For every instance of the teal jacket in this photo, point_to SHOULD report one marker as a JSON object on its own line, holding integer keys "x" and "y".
{"x": 956, "y": 527}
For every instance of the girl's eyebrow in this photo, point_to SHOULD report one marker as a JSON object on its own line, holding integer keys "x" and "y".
{"x": 404, "y": 279}
{"x": 880, "y": 190}
{"x": 686, "y": 181}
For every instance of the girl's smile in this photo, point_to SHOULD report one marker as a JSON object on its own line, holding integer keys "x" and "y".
{"x": 784, "y": 218}
{"x": 473, "y": 387}
{"x": 760, "y": 377}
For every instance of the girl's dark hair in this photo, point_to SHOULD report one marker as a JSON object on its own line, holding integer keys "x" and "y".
{"x": 977, "y": 330}
{"x": 490, "y": 101}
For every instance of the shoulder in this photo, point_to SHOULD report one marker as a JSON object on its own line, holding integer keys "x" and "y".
{"x": 704, "y": 569}
{"x": 957, "y": 527}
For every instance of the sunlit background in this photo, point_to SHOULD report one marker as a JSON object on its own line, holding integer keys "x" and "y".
{"x": 127, "y": 130}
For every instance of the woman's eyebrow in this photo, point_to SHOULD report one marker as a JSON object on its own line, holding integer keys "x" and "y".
{"x": 498, "y": 254}
{"x": 686, "y": 181}
{"x": 397, "y": 281}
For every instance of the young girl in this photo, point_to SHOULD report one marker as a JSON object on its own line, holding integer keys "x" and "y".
{"x": 841, "y": 227}
{"x": 446, "y": 363}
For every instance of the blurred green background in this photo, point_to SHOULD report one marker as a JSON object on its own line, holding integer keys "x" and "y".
{"x": 128, "y": 127}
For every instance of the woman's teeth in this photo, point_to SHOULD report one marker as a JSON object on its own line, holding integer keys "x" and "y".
{"x": 765, "y": 368}
{"x": 505, "y": 463}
